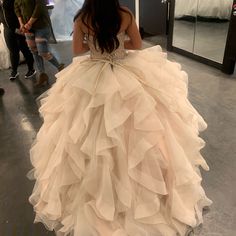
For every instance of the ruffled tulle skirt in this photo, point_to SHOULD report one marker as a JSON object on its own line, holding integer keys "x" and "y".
{"x": 118, "y": 153}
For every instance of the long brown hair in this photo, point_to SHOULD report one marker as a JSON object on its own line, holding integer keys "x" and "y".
{"x": 103, "y": 17}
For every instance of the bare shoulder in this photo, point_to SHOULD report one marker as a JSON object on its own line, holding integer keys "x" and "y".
{"x": 127, "y": 16}
{"x": 81, "y": 25}
{"x": 78, "y": 21}
{"x": 126, "y": 12}
{"x": 125, "y": 9}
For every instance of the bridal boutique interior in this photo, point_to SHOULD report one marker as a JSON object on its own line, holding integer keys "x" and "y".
{"x": 197, "y": 34}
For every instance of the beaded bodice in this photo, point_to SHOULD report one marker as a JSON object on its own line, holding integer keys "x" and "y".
{"x": 119, "y": 53}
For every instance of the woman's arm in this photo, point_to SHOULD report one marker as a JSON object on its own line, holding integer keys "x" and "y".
{"x": 135, "y": 40}
{"x": 79, "y": 47}
{"x": 17, "y": 8}
{"x": 38, "y": 9}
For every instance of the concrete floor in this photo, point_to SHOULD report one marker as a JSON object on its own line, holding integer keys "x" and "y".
{"x": 211, "y": 92}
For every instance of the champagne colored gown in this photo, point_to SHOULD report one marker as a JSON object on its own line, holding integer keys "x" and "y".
{"x": 118, "y": 153}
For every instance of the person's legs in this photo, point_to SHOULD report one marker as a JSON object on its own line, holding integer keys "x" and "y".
{"x": 43, "y": 77}
{"x": 12, "y": 45}
{"x": 41, "y": 38}
{"x": 30, "y": 39}
{"x": 27, "y": 54}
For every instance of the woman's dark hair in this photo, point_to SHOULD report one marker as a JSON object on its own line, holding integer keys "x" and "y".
{"x": 104, "y": 19}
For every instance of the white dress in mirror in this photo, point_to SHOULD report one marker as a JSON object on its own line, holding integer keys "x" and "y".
{"x": 62, "y": 17}
{"x": 4, "y": 53}
{"x": 220, "y": 9}
{"x": 199, "y": 23}
{"x": 118, "y": 153}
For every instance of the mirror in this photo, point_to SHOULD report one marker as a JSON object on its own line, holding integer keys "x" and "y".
{"x": 184, "y": 24}
{"x": 212, "y": 28}
{"x": 201, "y": 27}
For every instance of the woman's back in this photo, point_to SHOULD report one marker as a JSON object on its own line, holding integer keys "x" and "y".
{"x": 106, "y": 40}
{"x": 96, "y": 53}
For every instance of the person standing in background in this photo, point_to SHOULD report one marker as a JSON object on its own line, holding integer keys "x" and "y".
{"x": 15, "y": 41}
{"x": 35, "y": 23}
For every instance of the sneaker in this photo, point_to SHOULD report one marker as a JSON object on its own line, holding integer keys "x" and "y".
{"x": 14, "y": 75}
{"x": 30, "y": 73}
{"x": 2, "y": 91}
{"x": 61, "y": 67}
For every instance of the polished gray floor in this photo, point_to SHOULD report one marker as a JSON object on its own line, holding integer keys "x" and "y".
{"x": 211, "y": 92}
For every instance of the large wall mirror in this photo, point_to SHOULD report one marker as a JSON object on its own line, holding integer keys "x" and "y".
{"x": 200, "y": 27}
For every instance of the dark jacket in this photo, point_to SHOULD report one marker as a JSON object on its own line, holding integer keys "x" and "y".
{"x": 7, "y": 14}
{"x": 33, "y": 8}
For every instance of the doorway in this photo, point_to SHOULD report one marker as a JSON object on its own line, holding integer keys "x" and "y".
{"x": 154, "y": 21}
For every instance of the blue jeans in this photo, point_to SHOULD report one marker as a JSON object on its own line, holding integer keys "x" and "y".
{"x": 37, "y": 41}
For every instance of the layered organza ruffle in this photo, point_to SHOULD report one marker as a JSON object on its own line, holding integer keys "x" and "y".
{"x": 118, "y": 153}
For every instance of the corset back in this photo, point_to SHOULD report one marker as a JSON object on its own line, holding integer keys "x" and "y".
{"x": 95, "y": 52}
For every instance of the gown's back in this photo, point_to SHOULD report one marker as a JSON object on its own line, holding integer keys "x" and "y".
{"x": 118, "y": 152}
{"x": 95, "y": 52}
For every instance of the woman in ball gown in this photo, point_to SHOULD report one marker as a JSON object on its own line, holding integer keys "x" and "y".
{"x": 118, "y": 153}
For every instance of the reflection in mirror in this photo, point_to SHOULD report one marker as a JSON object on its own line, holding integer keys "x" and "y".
{"x": 212, "y": 27}
{"x": 184, "y": 24}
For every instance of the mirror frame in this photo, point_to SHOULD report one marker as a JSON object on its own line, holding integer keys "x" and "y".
{"x": 230, "y": 50}
{"x": 183, "y": 52}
